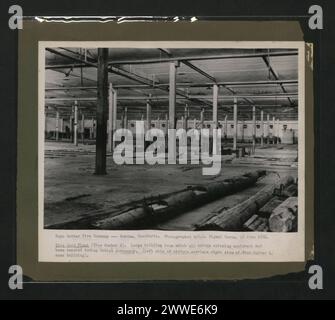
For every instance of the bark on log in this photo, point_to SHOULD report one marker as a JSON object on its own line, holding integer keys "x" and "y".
{"x": 284, "y": 217}
{"x": 127, "y": 220}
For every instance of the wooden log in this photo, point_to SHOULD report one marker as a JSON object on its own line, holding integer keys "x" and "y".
{"x": 258, "y": 222}
{"x": 284, "y": 217}
{"x": 263, "y": 227}
{"x": 250, "y": 221}
{"x": 176, "y": 203}
{"x": 219, "y": 189}
{"x": 284, "y": 183}
{"x": 234, "y": 218}
{"x": 164, "y": 208}
{"x": 127, "y": 220}
{"x": 290, "y": 191}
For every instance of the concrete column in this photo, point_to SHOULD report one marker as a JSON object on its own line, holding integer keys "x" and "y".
{"x": 262, "y": 128}
{"x": 253, "y": 129}
{"x": 235, "y": 124}
{"x": 75, "y": 126}
{"x": 102, "y": 112}
{"x": 148, "y": 115}
{"x": 71, "y": 128}
{"x": 172, "y": 94}
{"x": 57, "y": 126}
{"x": 114, "y": 110}
{"x": 185, "y": 123}
{"x": 125, "y": 118}
{"x": 202, "y": 116}
{"x": 110, "y": 118}
{"x": 166, "y": 123}
{"x": 61, "y": 125}
{"x": 82, "y": 127}
{"x": 215, "y": 105}
{"x": 273, "y": 129}
{"x": 122, "y": 120}
{"x": 268, "y": 129}
{"x": 92, "y": 129}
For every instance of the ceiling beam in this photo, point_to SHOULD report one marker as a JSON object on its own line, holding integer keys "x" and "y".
{"x": 195, "y": 97}
{"x": 207, "y": 57}
{"x": 193, "y": 58}
{"x": 195, "y": 68}
{"x": 190, "y": 85}
{"x": 275, "y": 75}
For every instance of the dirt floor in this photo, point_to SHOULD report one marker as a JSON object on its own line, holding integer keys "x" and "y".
{"x": 73, "y": 192}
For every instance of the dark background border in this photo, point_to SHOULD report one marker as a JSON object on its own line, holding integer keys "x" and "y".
{"x": 289, "y": 286}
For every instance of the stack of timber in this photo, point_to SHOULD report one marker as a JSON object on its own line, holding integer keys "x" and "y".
{"x": 160, "y": 209}
{"x": 284, "y": 217}
{"x": 234, "y": 218}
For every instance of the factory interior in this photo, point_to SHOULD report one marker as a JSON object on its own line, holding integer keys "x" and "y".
{"x": 250, "y": 95}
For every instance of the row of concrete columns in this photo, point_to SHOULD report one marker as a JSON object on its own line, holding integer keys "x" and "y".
{"x": 112, "y": 123}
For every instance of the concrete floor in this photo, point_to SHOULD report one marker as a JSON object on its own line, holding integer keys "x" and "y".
{"x": 73, "y": 192}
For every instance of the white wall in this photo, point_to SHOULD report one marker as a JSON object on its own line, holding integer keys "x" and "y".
{"x": 50, "y": 126}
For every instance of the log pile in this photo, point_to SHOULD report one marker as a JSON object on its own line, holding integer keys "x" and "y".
{"x": 284, "y": 217}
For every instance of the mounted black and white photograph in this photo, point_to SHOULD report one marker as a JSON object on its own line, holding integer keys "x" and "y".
{"x": 171, "y": 138}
